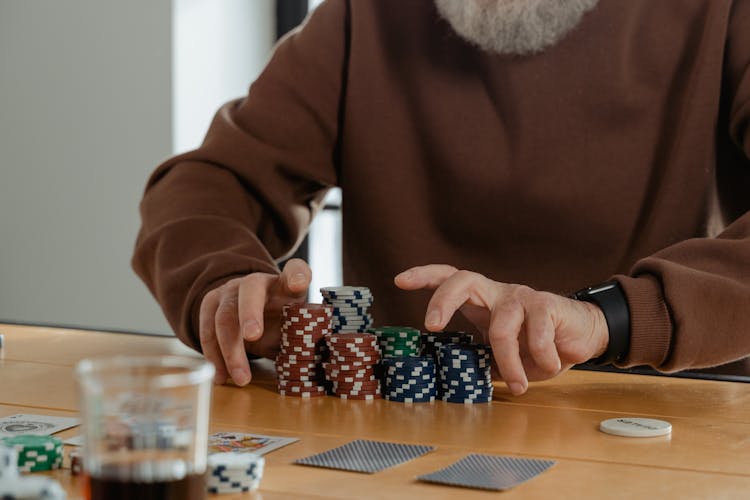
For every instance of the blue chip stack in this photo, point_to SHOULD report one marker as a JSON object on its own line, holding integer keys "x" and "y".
{"x": 464, "y": 373}
{"x": 431, "y": 342}
{"x": 350, "y": 308}
{"x": 410, "y": 379}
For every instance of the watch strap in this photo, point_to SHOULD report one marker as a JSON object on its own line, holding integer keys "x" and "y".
{"x": 611, "y": 299}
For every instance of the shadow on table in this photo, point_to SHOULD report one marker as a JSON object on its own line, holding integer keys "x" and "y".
{"x": 738, "y": 371}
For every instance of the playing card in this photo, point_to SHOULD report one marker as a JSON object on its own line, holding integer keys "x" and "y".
{"x": 74, "y": 441}
{"x": 488, "y": 472}
{"x": 237, "y": 441}
{"x": 365, "y": 456}
{"x": 34, "y": 424}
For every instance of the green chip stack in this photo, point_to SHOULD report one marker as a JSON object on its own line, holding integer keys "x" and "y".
{"x": 397, "y": 340}
{"x": 36, "y": 453}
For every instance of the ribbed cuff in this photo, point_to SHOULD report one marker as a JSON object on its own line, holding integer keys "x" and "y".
{"x": 650, "y": 323}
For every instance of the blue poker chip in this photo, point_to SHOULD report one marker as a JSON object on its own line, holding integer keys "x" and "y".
{"x": 415, "y": 384}
{"x": 410, "y": 399}
{"x": 412, "y": 394}
{"x": 466, "y": 392}
{"x": 409, "y": 381}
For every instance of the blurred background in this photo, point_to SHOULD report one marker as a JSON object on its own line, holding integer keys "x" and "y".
{"x": 94, "y": 94}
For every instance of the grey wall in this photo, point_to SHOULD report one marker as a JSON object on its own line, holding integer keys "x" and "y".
{"x": 86, "y": 109}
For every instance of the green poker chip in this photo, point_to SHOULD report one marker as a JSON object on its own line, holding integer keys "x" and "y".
{"x": 36, "y": 453}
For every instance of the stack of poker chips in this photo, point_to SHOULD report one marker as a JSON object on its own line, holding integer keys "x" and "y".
{"x": 350, "y": 307}
{"x": 13, "y": 485}
{"x": 303, "y": 331}
{"x": 464, "y": 373}
{"x": 396, "y": 341}
{"x": 410, "y": 379}
{"x": 431, "y": 342}
{"x": 36, "y": 453}
{"x": 234, "y": 472}
{"x": 351, "y": 366}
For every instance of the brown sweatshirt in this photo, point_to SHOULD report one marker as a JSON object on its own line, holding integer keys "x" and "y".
{"x": 616, "y": 152}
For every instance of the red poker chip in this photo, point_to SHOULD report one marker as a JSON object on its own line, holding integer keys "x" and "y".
{"x": 343, "y": 373}
{"x": 356, "y": 393}
{"x": 358, "y": 370}
{"x": 299, "y": 351}
{"x": 298, "y": 373}
{"x": 303, "y": 328}
{"x": 348, "y": 379}
{"x": 353, "y": 338}
{"x": 357, "y": 384}
{"x": 349, "y": 363}
{"x": 299, "y": 346}
{"x": 308, "y": 365}
{"x": 297, "y": 383}
{"x": 313, "y": 306}
{"x": 299, "y": 369}
{"x": 305, "y": 319}
{"x": 307, "y": 337}
{"x": 360, "y": 396}
{"x": 354, "y": 354}
{"x": 338, "y": 387}
{"x": 315, "y": 394}
{"x": 301, "y": 376}
{"x": 296, "y": 358}
{"x": 335, "y": 365}
{"x": 352, "y": 347}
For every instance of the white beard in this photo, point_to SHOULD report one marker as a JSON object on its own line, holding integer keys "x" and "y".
{"x": 517, "y": 27}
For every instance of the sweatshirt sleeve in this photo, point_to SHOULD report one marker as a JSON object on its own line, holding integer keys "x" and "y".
{"x": 690, "y": 302}
{"x": 245, "y": 197}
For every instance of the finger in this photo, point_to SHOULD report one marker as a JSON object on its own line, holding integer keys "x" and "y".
{"x": 461, "y": 287}
{"x": 505, "y": 325}
{"x": 229, "y": 338}
{"x": 295, "y": 278}
{"x": 252, "y": 297}
{"x": 207, "y": 335}
{"x": 540, "y": 337}
{"x": 430, "y": 276}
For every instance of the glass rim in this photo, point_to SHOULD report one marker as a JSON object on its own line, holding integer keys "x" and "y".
{"x": 196, "y": 370}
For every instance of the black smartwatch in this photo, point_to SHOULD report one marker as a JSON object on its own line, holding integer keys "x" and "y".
{"x": 612, "y": 301}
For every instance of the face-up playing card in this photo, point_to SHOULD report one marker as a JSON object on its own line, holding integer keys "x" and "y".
{"x": 365, "y": 456}
{"x": 34, "y": 424}
{"x": 221, "y": 442}
{"x": 488, "y": 472}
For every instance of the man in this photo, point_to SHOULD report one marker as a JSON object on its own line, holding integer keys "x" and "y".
{"x": 539, "y": 146}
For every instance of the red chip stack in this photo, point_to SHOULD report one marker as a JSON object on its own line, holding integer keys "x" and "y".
{"x": 303, "y": 349}
{"x": 351, "y": 366}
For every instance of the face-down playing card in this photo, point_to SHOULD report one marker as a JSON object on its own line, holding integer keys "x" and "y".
{"x": 365, "y": 456}
{"x": 488, "y": 472}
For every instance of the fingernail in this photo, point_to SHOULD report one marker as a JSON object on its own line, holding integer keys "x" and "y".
{"x": 433, "y": 319}
{"x": 298, "y": 279}
{"x": 405, "y": 276}
{"x": 250, "y": 330}
{"x": 240, "y": 376}
{"x": 516, "y": 388}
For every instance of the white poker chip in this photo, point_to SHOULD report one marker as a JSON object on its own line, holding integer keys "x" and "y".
{"x": 635, "y": 427}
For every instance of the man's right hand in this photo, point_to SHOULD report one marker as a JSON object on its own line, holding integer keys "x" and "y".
{"x": 244, "y": 315}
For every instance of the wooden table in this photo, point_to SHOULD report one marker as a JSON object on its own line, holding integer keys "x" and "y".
{"x": 707, "y": 455}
